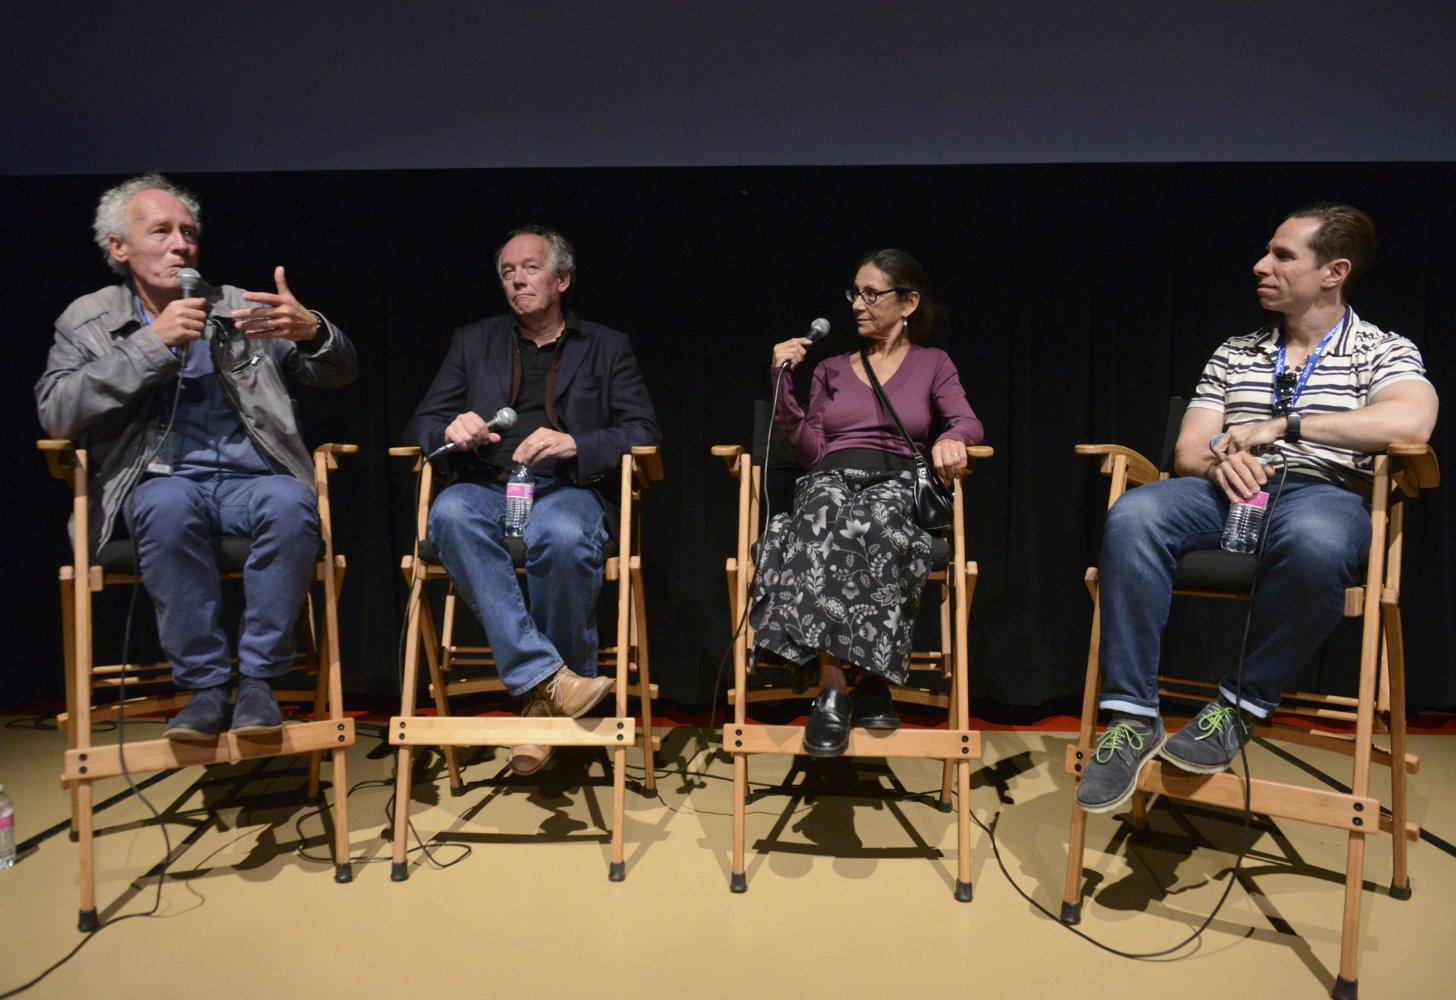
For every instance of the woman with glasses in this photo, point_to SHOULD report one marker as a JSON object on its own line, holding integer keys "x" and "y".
{"x": 839, "y": 578}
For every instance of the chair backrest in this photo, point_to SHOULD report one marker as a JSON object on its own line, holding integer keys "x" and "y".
{"x": 780, "y": 469}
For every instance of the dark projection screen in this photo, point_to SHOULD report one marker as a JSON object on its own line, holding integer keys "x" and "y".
{"x": 334, "y": 86}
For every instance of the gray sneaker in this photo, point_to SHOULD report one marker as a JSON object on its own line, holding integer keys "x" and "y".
{"x": 1109, "y": 778}
{"x": 203, "y": 717}
{"x": 1211, "y": 739}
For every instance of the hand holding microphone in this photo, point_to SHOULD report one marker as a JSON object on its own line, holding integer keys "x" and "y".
{"x": 469, "y": 431}
{"x": 789, "y": 353}
{"x": 183, "y": 320}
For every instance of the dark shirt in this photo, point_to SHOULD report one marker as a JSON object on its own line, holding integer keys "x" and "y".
{"x": 530, "y": 406}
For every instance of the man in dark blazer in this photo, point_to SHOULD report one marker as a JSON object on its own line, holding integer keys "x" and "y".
{"x": 581, "y": 404}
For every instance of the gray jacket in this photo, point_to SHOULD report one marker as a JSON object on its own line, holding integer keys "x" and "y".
{"x": 106, "y": 367}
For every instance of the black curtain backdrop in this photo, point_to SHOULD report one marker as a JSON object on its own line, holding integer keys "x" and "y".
{"x": 1080, "y": 298}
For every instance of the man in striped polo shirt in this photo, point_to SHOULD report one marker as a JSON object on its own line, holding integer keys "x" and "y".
{"x": 1326, "y": 390}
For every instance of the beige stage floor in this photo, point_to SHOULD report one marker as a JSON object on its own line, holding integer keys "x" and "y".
{"x": 849, "y": 895}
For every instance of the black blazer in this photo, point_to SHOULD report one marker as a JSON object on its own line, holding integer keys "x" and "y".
{"x": 600, "y": 400}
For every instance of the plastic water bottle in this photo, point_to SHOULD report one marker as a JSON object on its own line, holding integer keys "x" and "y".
{"x": 1245, "y": 521}
{"x": 520, "y": 495}
{"x": 7, "y": 830}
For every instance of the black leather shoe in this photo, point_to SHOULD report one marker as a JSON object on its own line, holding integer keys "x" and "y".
{"x": 871, "y": 704}
{"x": 203, "y": 717}
{"x": 255, "y": 712}
{"x": 827, "y": 733}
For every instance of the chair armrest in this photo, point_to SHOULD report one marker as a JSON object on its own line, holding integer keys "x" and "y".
{"x": 1139, "y": 469}
{"x": 60, "y": 456}
{"x": 729, "y": 453}
{"x": 1413, "y": 468}
{"x": 647, "y": 463}
{"x": 413, "y": 452}
{"x": 330, "y": 453}
{"x": 974, "y": 452}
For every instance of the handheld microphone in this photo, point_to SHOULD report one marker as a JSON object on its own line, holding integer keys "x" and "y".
{"x": 504, "y": 420}
{"x": 188, "y": 279}
{"x": 818, "y": 330}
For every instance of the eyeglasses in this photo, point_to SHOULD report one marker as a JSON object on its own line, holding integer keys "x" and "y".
{"x": 1284, "y": 386}
{"x": 871, "y": 295}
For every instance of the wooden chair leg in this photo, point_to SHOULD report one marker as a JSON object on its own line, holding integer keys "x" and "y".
{"x": 1076, "y": 843}
{"x": 320, "y": 711}
{"x": 343, "y": 871}
{"x": 415, "y": 611}
{"x": 963, "y": 830}
{"x": 398, "y": 870}
{"x": 739, "y": 878}
{"x": 948, "y": 769}
{"x": 644, "y": 680}
{"x": 68, "y": 644}
{"x": 1086, "y": 731}
{"x": 330, "y": 699}
{"x": 1345, "y": 984}
{"x": 80, "y": 722}
{"x": 87, "y": 920}
{"x": 1400, "y": 887}
{"x": 433, "y": 660}
{"x": 618, "y": 870}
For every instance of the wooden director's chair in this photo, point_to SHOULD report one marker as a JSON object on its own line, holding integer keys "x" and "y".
{"x": 639, "y": 469}
{"x": 1400, "y": 474}
{"x": 100, "y": 692}
{"x": 953, "y": 578}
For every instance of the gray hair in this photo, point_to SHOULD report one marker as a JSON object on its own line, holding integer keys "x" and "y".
{"x": 562, "y": 257}
{"x": 111, "y": 212}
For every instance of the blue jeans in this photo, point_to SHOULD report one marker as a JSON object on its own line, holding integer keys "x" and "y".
{"x": 1316, "y": 538}
{"x": 566, "y": 540}
{"x": 173, "y": 521}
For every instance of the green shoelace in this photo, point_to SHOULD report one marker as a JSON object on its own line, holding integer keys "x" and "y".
{"x": 1212, "y": 720}
{"x": 1112, "y": 741}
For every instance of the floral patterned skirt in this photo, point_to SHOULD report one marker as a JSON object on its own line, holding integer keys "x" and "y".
{"x": 842, "y": 574}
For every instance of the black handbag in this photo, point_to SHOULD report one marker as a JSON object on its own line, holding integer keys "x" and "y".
{"x": 934, "y": 505}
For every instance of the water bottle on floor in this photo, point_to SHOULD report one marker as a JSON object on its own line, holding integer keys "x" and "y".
{"x": 520, "y": 495}
{"x": 1245, "y": 522}
{"x": 7, "y": 830}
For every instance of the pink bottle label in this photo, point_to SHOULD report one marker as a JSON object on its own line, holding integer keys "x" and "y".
{"x": 520, "y": 491}
{"x": 6, "y": 822}
{"x": 1260, "y": 500}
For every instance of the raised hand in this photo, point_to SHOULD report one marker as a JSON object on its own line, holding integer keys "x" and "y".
{"x": 278, "y": 315}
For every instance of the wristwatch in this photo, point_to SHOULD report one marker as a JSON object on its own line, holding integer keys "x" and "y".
{"x": 1291, "y": 428}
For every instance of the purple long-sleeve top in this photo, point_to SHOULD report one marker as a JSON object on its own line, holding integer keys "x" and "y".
{"x": 844, "y": 411}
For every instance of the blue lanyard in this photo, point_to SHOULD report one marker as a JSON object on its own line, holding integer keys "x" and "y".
{"x": 1280, "y": 365}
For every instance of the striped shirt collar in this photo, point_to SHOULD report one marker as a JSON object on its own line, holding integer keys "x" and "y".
{"x": 1266, "y": 342}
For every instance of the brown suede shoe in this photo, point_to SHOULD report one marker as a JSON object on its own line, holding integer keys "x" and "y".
{"x": 528, "y": 757}
{"x": 571, "y": 695}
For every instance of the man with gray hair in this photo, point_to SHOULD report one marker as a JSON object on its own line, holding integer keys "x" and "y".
{"x": 177, "y": 389}
{"x": 581, "y": 405}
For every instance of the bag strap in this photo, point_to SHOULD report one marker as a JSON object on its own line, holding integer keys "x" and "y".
{"x": 864, "y": 357}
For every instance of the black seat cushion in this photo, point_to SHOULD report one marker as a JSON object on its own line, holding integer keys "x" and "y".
{"x": 231, "y": 552}
{"x": 1215, "y": 569}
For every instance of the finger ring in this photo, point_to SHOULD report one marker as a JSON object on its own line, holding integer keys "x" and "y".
{"x": 1213, "y": 442}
